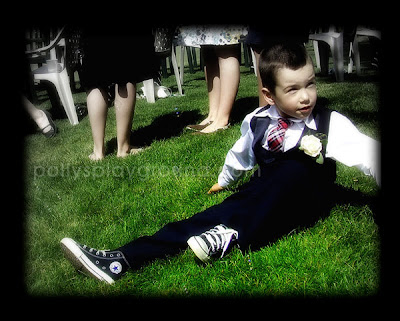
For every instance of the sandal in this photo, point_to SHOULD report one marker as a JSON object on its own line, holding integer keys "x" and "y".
{"x": 53, "y": 128}
{"x": 214, "y": 131}
{"x": 199, "y": 127}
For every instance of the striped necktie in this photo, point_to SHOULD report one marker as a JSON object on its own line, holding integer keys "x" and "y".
{"x": 277, "y": 134}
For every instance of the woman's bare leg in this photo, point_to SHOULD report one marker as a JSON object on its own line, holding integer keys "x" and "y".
{"x": 229, "y": 75}
{"x": 97, "y": 111}
{"x": 212, "y": 75}
{"x": 125, "y": 99}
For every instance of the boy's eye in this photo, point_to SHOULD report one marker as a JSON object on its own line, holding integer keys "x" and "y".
{"x": 311, "y": 83}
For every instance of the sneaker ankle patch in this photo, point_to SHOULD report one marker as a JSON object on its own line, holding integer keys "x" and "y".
{"x": 115, "y": 267}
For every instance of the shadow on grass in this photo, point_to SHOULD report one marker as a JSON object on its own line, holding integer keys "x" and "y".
{"x": 163, "y": 127}
{"x": 172, "y": 125}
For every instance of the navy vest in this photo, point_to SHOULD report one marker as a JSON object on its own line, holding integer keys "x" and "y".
{"x": 259, "y": 125}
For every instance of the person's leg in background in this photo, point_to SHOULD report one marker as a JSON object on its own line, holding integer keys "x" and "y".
{"x": 125, "y": 99}
{"x": 97, "y": 111}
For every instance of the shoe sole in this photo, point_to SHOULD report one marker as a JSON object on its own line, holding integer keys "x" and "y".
{"x": 198, "y": 250}
{"x": 219, "y": 129}
{"x": 197, "y": 128}
{"x": 79, "y": 260}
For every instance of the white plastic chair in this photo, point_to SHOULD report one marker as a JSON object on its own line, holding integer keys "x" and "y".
{"x": 149, "y": 83}
{"x": 55, "y": 72}
{"x": 335, "y": 41}
{"x": 360, "y": 31}
{"x": 179, "y": 43}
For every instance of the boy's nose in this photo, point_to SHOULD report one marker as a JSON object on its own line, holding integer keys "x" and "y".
{"x": 305, "y": 97}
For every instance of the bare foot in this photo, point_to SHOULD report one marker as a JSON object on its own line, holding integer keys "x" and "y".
{"x": 94, "y": 157}
{"x": 206, "y": 121}
{"x": 43, "y": 122}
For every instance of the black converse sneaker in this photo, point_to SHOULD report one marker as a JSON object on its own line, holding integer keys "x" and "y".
{"x": 106, "y": 266}
{"x": 212, "y": 243}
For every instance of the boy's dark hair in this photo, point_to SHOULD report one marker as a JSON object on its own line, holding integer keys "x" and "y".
{"x": 284, "y": 55}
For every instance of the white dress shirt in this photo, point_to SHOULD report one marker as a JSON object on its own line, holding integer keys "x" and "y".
{"x": 345, "y": 144}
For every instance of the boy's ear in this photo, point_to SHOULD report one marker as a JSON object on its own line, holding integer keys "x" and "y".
{"x": 268, "y": 96}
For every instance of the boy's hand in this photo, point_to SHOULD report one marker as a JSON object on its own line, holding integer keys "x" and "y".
{"x": 215, "y": 188}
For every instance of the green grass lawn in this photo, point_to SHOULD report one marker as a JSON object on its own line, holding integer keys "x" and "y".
{"x": 106, "y": 204}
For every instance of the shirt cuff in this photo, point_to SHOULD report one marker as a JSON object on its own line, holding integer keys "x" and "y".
{"x": 222, "y": 181}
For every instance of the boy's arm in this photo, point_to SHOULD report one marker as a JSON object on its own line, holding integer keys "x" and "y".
{"x": 349, "y": 146}
{"x": 239, "y": 159}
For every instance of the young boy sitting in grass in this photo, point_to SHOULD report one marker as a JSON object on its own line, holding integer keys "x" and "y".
{"x": 295, "y": 144}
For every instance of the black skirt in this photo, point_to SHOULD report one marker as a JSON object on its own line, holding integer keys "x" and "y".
{"x": 262, "y": 36}
{"x": 114, "y": 56}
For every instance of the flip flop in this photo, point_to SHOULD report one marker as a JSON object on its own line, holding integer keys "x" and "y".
{"x": 214, "y": 131}
{"x": 198, "y": 127}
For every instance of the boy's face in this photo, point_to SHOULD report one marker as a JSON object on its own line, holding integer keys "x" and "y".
{"x": 295, "y": 92}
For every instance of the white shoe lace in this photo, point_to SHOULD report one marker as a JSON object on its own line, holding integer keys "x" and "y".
{"x": 91, "y": 250}
{"x": 222, "y": 243}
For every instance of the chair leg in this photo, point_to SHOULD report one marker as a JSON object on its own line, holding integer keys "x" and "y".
{"x": 316, "y": 52}
{"x": 253, "y": 58}
{"x": 61, "y": 82}
{"x": 149, "y": 90}
{"x": 356, "y": 56}
{"x": 337, "y": 54}
{"x": 194, "y": 56}
{"x": 176, "y": 71}
{"x": 182, "y": 62}
{"x": 68, "y": 101}
{"x": 190, "y": 60}
{"x": 351, "y": 62}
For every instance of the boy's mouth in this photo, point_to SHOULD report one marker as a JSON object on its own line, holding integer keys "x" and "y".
{"x": 306, "y": 108}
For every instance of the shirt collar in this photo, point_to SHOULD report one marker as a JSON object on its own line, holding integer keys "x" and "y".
{"x": 273, "y": 113}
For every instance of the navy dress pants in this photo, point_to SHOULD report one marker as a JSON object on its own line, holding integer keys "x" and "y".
{"x": 279, "y": 198}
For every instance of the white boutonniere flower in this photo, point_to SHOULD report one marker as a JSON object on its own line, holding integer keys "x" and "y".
{"x": 312, "y": 146}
